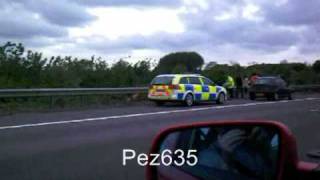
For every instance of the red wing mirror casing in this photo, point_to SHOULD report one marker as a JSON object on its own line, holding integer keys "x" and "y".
{"x": 226, "y": 150}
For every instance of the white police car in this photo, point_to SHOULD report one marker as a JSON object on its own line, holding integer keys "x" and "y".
{"x": 187, "y": 88}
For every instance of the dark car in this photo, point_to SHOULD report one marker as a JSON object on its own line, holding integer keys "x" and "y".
{"x": 273, "y": 88}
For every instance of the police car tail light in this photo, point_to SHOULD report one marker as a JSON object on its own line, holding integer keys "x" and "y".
{"x": 174, "y": 87}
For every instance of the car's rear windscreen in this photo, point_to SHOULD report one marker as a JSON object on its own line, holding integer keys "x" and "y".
{"x": 162, "y": 80}
{"x": 265, "y": 81}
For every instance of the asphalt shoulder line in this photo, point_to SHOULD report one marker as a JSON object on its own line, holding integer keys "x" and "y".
{"x": 151, "y": 113}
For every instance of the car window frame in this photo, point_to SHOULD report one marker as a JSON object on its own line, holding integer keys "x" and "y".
{"x": 210, "y": 84}
{"x": 187, "y": 78}
{"x": 168, "y": 83}
{"x": 200, "y": 83}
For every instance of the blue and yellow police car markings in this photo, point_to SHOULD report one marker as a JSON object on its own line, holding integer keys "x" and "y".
{"x": 212, "y": 96}
{"x": 218, "y": 89}
{"x": 205, "y": 92}
{"x": 189, "y": 87}
{"x": 213, "y": 93}
{"x": 201, "y": 92}
{"x": 205, "y": 88}
{"x": 197, "y": 92}
{"x": 180, "y": 96}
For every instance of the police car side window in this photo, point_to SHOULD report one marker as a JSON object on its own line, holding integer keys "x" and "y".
{"x": 207, "y": 81}
{"x": 184, "y": 80}
{"x": 194, "y": 80}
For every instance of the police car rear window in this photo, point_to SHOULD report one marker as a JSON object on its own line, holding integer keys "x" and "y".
{"x": 184, "y": 80}
{"x": 163, "y": 80}
{"x": 194, "y": 80}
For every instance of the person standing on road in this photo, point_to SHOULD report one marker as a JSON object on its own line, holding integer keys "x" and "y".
{"x": 253, "y": 78}
{"x": 230, "y": 85}
{"x": 239, "y": 87}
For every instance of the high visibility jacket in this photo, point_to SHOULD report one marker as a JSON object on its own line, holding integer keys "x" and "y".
{"x": 229, "y": 83}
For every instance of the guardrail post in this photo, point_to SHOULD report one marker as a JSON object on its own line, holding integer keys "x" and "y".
{"x": 51, "y": 101}
{"x": 81, "y": 100}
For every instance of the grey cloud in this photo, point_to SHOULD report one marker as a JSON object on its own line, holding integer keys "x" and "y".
{"x": 294, "y": 12}
{"x": 254, "y": 38}
{"x": 26, "y": 25}
{"x": 103, "y": 45}
{"x": 311, "y": 36}
{"x": 297, "y": 13}
{"x": 258, "y": 36}
{"x": 162, "y": 3}
{"x": 202, "y": 31}
{"x": 61, "y": 12}
{"x": 310, "y": 41}
{"x": 21, "y": 29}
{"x": 262, "y": 35}
{"x": 161, "y": 41}
{"x": 309, "y": 49}
{"x": 31, "y": 43}
{"x": 39, "y": 23}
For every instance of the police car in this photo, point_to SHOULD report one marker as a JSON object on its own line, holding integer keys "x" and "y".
{"x": 187, "y": 88}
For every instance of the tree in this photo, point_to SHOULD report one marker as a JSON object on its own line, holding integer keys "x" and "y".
{"x": 122, "y": 74}
{"x": 298, "y": 66}
{"x": 20, "y": 68}
{"x": 284, "y": 61}
{"x": 191, "y": 60}
{"x": 142, "y": 70}
{"x": 179, "y": 69}
{"x": 210, "y": 65}
{"x": 218, "y": 73}
{"x": 316, "y": 66}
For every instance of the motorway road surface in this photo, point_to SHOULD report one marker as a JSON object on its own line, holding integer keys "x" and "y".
{"x": 88, "y": 144}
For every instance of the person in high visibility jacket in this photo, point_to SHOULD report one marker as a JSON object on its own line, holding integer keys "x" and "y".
{"x": 229, "y": 85}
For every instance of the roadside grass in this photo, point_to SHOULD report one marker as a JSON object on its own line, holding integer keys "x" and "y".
{"x": 57, "y": 103}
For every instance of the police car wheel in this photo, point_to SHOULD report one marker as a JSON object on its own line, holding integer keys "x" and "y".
{"x": 188, "y": 100}
{"x": 221, "y": 98}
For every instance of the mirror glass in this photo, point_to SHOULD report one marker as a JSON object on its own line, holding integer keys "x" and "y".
{"x": 221, "y": 152}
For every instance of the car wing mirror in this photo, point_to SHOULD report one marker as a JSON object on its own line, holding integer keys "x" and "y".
{"x": 226, "y": 150}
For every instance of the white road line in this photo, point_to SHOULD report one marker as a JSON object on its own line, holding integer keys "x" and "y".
{"x": 151, "y": 113}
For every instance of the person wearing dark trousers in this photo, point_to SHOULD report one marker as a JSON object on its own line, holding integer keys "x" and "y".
{"x": 230, "y": 92}
{"x": 245, "y": 85}
{"x": 239, "y": 87}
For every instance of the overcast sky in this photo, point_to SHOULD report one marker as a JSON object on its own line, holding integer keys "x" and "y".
{"x": 220, "y": 30}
